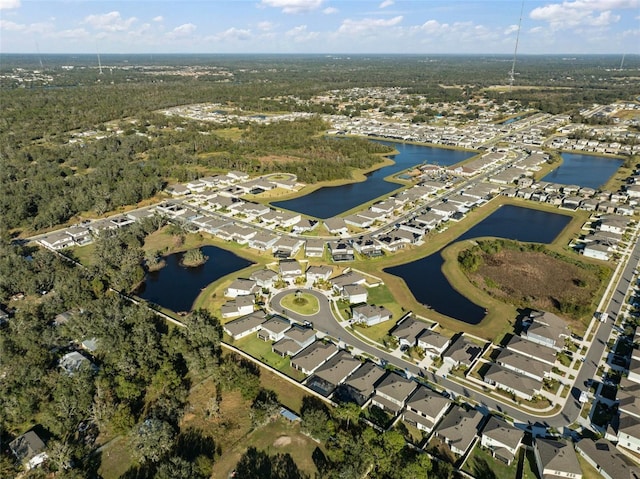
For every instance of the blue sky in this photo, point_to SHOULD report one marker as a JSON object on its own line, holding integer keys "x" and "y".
{"x": 319, "y": 26}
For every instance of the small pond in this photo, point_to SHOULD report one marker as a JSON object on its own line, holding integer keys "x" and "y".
{"x": 429, "y": 285}
{"x": 584, "y": 170}
{"x": 331, "y": 201}
{"x": 176, "y": 287}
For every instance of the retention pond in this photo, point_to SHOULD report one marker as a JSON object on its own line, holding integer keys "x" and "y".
{"x": 429, "y": 285}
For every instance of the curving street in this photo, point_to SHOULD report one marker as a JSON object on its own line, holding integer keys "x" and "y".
{"x": 325, "y": 322}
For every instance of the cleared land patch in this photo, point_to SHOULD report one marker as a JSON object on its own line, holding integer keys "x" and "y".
{"x": 529, "y": 275}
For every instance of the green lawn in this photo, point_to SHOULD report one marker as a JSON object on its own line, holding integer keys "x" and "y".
{"x": 115, "y": 459}
{"x": 529, "y": 468}
{"x": 382, "y": 296}
{"x": 481, "y": 464}
{"x": 301, "y": 303}
{"x": 375, "y": 332}
{"x": 261, "y": 350}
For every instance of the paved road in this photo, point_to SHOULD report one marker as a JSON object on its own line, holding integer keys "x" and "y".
{"x": 325, "y": 322}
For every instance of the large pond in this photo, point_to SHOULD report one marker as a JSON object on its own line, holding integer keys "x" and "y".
{"x": 584, "y": 170}
{"x": 430, "y": 286}
{"x": 331, "y": 201}
{"x": 176, "y": 287}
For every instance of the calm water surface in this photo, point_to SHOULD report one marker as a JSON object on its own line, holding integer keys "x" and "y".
{"x": 429, "y": 285}
{"x": 331, "y": 201}
{"x": 176, "y": 287}
{"x": 584, "y": 170}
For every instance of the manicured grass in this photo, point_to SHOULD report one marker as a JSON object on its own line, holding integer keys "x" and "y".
{"x": 481, "y": 464}
{"x": 301, "y": 303}
{"x": 115, "y": 459}
{"x": 376, "y": 332}
{"x": 85, "y": 254}
{"x": 261, "y": 350}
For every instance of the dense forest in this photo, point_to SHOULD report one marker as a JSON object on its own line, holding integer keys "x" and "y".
{"x": 137, "y": 382}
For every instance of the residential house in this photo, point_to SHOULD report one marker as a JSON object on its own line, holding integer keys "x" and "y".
{"x": 274, "y": 328}
{"x": 607, "y": 460}
{"x": 241, "y": 327}
{"x": 290, "y": 270}
{"x": 57, "y": 241}
{"x": 524, "y": 365}
{"x": 237, "y": 175}
{"x": 241, "y": 287}
{"x": 305, "y": 225}
{"x": 407, "y": 331}
{"x": 74, "y": 361}
{"x": 459, "y": 428}
{"x": 383, "y": 207}
{"x": 556, "y": 458}
{"x": 355, "y": 293}
{"x": 263, "y": 241}
{"x": 392, "y": 393}
{"x": 336, "y": 225}
{"x": 425, "y": 408}
{"x": 532, "y": 350}
{"x": 341, "y": 251}
{"x": 29, "y": 449}
{"x": 461, "y": 352}
{"x": 295, "y": 340}
{"x": 313, "y": 356}
{"x": 547, "y": 329}
{"x": 629, "y": 433}
{"x": 433, "y": 343}
{"x": 314, "y": 248}
{"x": 368, "y": 246}
{"x": 351, "y": 277}
{"x": 319, "y": 273}
{"x": 369, "y": 315}
{"x": 332, "y": 373}
{"x": 264, "y": 278}
{"x": 521, "y": 386}
{"x": 360, "y": 385}
{"x": 358, "y": 221}
{"x": 286, "y": 247}
{"x": 612, "y": 223}
{"x": 502, "y": 439}
{"x": 240, "y": 306}
{"x": 598, "y": 250}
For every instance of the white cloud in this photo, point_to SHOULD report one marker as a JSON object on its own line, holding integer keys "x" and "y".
{"x": 301, "y": 34}
{"x": 234, "y": 34}
{"x": 386, "y": 3}
{"x": 330, "y": 11}
{"x": 293, "y": 6}
{"x": 8, "y": 26}
{"x": 355, "y": 27}
{"x": 265, "y": 26}
{"x": 109, "y": 22}
{"x": 571, "y": 14}
{"x": 9, "y": 4}
{"x": 74, "y": 34}
{"x": 511, "y": 29}
{"x": 158, "y": 19}
{"x": 183, "y": 30}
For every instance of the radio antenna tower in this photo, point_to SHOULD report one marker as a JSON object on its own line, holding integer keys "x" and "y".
{"x": 39, "y": 56}
{"x": 512, "y": 73}
{"x": 622, "y": 62}
{"x": 99, "y": 62}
